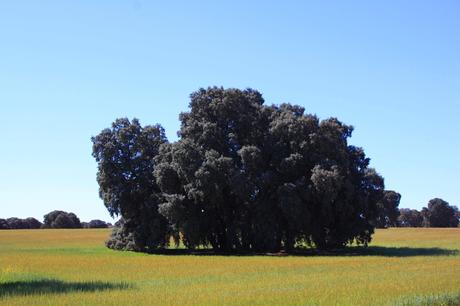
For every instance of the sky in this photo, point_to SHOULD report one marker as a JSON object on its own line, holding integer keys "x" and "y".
{"x": 69, "y": 68}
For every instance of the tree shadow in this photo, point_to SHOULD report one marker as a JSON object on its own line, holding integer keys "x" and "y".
{"x": 45, "y": 286}
{"x": 347, "y": 251}
{"x": 382, "y": 251}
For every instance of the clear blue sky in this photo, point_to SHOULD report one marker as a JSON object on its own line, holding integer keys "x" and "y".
{"x": 69, "y": 68}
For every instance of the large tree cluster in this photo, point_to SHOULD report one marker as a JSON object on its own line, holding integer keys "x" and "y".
{"x": 242, "y": 176}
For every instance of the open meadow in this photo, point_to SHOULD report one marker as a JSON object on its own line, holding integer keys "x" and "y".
{"x": 73, "y": 267}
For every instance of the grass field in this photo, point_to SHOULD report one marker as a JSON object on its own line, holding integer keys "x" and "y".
{"x": 72, "y": 267}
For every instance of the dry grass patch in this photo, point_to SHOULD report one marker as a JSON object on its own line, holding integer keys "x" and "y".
{"x": 402, "y": 266}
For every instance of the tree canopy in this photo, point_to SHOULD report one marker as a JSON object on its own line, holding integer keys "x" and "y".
{"x": 18, "y": 223}
{"x": 125, "y": 156}
{"x": 97, "y": 224}
{"x": 388, "y": 209}
{"x": 439, "y": 213}
{"x": 61, "y": 219}
{"x": 410, "y": 218}
{"x": 242, "y": 176}
{"x": 4, "y": 224}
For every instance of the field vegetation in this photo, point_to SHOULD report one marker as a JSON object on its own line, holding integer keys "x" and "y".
{"x": 403, "y": 266}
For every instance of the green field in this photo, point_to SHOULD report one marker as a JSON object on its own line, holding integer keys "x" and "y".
{"x": 72, "y": 267}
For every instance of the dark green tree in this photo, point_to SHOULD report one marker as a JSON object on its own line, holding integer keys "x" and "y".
{"x": 439, "y": 213}
{"x": 125, "y": 156}
{"x": 201, "y": 175}
{"x": 121, "y": 237}
{"x": 16, "y": 223}
{"x": 388, "y": 211}
{"x": 61, "y": 219}
{"x": 3, "y": 224}
{"x": 410, "y": 218}
{"x": 242, "y": 176}
{"x": 97, "y": 224}
{"x": 32, "y": 223}
{"x": 248, "y": 176}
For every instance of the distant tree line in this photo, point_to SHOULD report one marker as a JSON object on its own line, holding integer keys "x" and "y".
{"x": 242, "y": 176}
{"x": 54, "y": 219}
{"x": 17, "y": 223}
{"x": 438, "y": 213}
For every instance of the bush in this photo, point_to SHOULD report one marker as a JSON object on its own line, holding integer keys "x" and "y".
{"x": 121, "y": 238}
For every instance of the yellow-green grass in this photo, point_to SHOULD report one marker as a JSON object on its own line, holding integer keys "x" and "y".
{"x": 73, "y": 267}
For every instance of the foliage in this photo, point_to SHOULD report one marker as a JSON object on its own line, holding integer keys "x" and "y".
{"x": 125, "y": 155}
{"x": 388, "y": 211}
{"x": 61, "y": 219}
{"x": 247, "y": 176}
{"x": 242, "y": 176}
{"x": 33, "y": 223}
{"x": 97, "y": 224}
{"x": 410, "y": 218}
{"x": 17, "y": 223}
{"x": 121, "y": 238}
{"x": 439, "y": 213}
